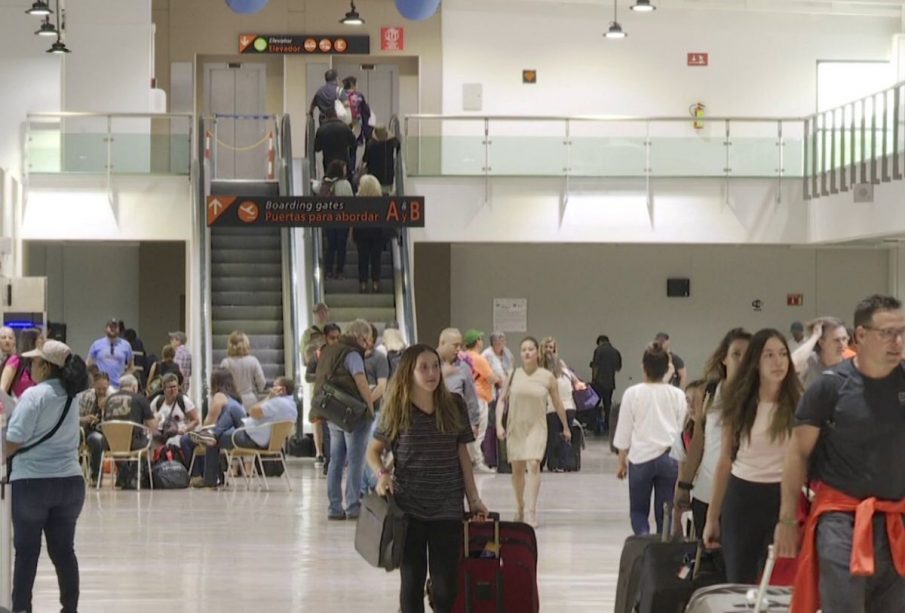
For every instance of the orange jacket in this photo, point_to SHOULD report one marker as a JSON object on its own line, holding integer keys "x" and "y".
{"x": 806, "y": 597}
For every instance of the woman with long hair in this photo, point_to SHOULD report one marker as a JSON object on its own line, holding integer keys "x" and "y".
{"x": 48, "y": 489}
{"x": 226, "y": 413}
{"x": 758, "y": 414}
{"x": 370, "y": 241}
{"x": 245, "y": 368}
{"x": 555, "y": 365}
{"x": 650, "y": 419}
{"x": 427, "y": 429}
{"x": 526, "y": 426}
{"x": 694, "y": 488}
{"x": 16, "y": 376}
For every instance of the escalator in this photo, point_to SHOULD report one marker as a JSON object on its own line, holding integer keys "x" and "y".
{"x": 247, "y": 273}
{"x": 394, "y": 304}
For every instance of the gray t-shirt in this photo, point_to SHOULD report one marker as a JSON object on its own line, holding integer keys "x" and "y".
{"x": 376, "y": 367}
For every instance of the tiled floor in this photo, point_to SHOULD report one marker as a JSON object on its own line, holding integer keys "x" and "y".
{"x": 255, "y": 551}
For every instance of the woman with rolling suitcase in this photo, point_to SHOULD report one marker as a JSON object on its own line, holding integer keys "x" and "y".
{"x": 427, "y": 429}
{"x": 758, "y": 413}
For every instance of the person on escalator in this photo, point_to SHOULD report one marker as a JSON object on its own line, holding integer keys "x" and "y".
{"x": 334, "y": 139}
{"x": 380, "y": 158}
{"x": 370, "y": 241}
{"x": 335, "y": 183}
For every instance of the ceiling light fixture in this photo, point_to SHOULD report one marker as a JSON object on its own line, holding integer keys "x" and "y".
{"x": 58, "y": 48}
{"x": 615, "y": 30}
{"x": 47, "y": 28}
{"x": 39, "y": 8}
{"x": 643, "y": 6}
{"x": 352, "y": 17}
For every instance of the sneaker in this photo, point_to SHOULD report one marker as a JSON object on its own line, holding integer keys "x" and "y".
{"x": 480, "y": 467}
{"x": 203, "y": 438}
{"x": 340, "y": 517}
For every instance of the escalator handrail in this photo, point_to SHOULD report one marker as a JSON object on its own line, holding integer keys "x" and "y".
{"x": 404, "y": 292}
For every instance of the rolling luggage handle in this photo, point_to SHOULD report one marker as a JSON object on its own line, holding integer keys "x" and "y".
{"x": 479, "y": 517}
{"x": 760, "y": 603}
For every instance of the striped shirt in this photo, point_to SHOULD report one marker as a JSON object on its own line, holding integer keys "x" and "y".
{"x": 429, "y": 481}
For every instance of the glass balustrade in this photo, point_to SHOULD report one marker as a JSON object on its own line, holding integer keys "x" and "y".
{"x": 89, "y": 143}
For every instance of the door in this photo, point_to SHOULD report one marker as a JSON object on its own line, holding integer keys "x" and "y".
{"x": 241, "y": 142}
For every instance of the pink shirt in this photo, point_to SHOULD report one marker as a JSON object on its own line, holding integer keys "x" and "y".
{"x": 24, "y": 382}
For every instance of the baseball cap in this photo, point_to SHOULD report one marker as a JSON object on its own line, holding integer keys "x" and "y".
{"x": 180, "y": 336}
{"x": 54, "y": 352}
{"x": 796, "y": 326}
{"x": 472, "y": 336}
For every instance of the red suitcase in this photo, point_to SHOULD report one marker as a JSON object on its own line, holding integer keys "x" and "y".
{"x": 501, "y": 577}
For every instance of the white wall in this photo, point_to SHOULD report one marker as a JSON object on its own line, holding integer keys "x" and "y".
{"x": 576, "y": 292}
{"x": 87, "y": 285}
{"x": 78, "y": 208}
{"x": 761, "y": 64}
{"x": 683, "y": 211}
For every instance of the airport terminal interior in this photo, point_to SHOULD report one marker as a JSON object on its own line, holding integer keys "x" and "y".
{"x": 200, "y": 184}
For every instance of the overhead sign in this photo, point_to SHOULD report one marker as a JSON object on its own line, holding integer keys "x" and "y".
{"x": 794, "y": 299}
{"x": 698, "y": 59}
{"x": 392, "y": 38}
{"x": 304, "y": 44}
{"x": 315, "y": 211}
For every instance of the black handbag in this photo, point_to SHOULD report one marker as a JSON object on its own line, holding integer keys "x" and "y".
{"x": 338, "y": 407}
{"x": 170, "y": 475}
{"x": 380, "y": 532}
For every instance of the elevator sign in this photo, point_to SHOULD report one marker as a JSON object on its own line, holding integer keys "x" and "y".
{"x": 315, "y": 211}
{"x": 304, "y": 44}
{"x": 698, "y": 59}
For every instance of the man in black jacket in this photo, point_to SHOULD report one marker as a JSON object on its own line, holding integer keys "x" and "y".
{"x": 607, "y": 361}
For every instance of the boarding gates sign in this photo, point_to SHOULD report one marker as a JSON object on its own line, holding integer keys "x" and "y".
{"x": 315, "y": 211}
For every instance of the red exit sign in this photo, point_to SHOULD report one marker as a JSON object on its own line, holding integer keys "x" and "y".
{"x": 698, "y": 59}
{"x": 794, "y": 299}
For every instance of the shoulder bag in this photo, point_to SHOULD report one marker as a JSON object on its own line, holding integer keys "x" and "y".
{"x": 45, "y": 438}
{"x": 339, "y": 407}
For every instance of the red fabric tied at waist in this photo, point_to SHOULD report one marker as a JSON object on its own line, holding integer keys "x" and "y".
{"x": 806, "y": 597}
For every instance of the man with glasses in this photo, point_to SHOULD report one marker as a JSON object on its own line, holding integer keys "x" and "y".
{"x": 849, "y": 440}
{"x": 111, "y": 354}
{"x": 823, "y": 349}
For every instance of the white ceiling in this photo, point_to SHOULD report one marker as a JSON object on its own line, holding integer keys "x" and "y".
{"x": 865, "y": 8}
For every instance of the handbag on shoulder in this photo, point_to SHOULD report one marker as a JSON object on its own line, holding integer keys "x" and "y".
{"x": 338, "y": 407}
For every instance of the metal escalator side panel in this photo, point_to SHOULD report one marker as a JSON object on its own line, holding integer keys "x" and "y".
{"x": 403, "y": 279}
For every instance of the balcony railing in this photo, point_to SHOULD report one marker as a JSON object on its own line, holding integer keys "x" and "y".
{"x": 112, "y": 144}
{"x": 468, "y": 145}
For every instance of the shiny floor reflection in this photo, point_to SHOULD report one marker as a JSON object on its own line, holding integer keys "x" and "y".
{"x": 234, "y": 550}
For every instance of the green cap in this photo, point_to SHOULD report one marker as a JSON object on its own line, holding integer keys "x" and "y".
{"x": 472, "y": 336}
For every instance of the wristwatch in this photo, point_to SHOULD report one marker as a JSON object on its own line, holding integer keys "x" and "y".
{"x": 685, "y": 485}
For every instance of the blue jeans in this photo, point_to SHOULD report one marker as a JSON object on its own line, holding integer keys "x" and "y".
{"x": 346, "y": 447}
{"x": 368, "y": 478}
{"x": 659, "y": 475}
{"x": 230, "y": 419}
{"x": 50, "y": 507}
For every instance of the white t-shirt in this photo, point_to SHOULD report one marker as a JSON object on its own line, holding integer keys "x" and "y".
{"x": 279, "y": 408}
{"x": 713, "y": 446}
{"x": 162, "y": 411}
{"x": 564, "y": 384}
{"x": 650, "y": 419}
{"x": 759, "y": 459}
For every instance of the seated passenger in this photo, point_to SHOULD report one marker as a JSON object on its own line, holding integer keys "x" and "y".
{"x": 175, "y": 412}
{"x": 92, "y": 404}
{"x": 226, "y": 414}
{"x": 125, "y": 405}
{"x": 278, "y": 406}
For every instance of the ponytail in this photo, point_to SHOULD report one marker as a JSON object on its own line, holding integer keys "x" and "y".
{"x": 73, "y": 375}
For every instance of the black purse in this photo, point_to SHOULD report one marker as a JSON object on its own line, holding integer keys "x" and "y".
{"x": 338, "y": 407}
{"x": 380, "y": 532}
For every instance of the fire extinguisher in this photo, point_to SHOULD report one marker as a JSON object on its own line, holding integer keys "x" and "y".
{"x": 696, "y": 110}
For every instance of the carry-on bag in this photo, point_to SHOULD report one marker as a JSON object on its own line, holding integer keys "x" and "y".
{"x": 499, "y": 568}
{"x": 736, "y": 598}
{"x": 502, "y": 458}
{"x": 338, "y": 407}
{"x": 380, "y": 532}
{"x": 491, "y": 442}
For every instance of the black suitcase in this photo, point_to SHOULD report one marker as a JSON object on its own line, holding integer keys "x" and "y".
{"x": 568, "y": 455}
{"x": 628, "y": 584}
{"x": 663, "y": 587}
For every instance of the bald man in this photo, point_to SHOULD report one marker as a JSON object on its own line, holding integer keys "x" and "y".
{"x": 457, "y": 374}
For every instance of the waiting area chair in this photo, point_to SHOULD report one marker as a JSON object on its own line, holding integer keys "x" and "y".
{"x": 280, "y": 431}
{"x": 118, "y": 435}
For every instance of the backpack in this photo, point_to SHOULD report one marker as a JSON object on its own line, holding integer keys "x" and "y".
{"x": 326, "y": 188}
{"x": 355, "y": 104}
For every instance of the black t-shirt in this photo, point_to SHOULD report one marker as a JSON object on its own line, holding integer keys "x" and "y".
{"x": 608, "y": 361}
{"x": 380, "y": 156}
{"x": 335, "y": 139}
{"x": 678, "y": 363}
{"x": 861, "y": 449}
{"x": 126, "y": 406}
{"x": 429, "y": 481}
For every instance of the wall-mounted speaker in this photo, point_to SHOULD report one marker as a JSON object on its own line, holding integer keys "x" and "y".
{"x": 678, "y": 288}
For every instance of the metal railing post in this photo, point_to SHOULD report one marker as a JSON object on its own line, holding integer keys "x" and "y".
{"x": 727, "y": 144}
{"x": 896, "y": 104}
{"x": 874, "y": 176}
{"x": 832, "y": 168}
{"x": 782, "y": 161}
{"x": 805, "y": 182}
{"x": 843, "y": 167}
{"x": 486, "y": 160}
{"x": 863, "y": 178}
{"x": 884, "y": 169}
